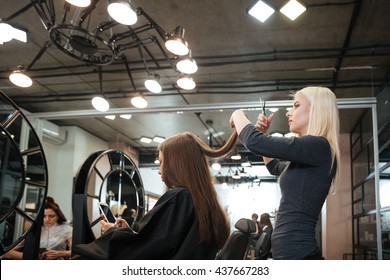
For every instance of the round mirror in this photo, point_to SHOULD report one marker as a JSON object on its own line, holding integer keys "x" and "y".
{"x": 23, "y": 178}
{"x": 12, "y": 170}
{"x": 111, "y": 177}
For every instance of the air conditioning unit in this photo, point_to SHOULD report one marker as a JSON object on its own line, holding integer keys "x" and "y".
{"x": 53, "y": 133}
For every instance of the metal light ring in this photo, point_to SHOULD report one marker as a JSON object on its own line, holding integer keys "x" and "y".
{"x": 103, "y": 58}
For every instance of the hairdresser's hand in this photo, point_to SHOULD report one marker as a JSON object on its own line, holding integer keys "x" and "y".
{"x": 231, "y": 121}
{"x": 234, "y": 115}
{"x": 263, "y": 122}
{"x": 239, "y": 120}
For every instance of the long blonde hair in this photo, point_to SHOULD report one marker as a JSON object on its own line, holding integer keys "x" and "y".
{"x": 185, "y": 164}
{"x": 324, "y": 121}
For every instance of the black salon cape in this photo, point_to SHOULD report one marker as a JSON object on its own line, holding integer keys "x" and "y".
{"x": 169, "y": 231}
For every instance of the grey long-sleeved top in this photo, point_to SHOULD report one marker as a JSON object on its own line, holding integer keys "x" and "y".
{"x": 304, "y": 181}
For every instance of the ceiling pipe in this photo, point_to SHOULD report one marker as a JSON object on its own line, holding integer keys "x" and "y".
{"x": 343, "y": 103}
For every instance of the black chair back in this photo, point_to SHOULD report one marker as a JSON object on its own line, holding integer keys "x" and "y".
{"x": 237, "y": 245}
{"x": 263, "y": 246}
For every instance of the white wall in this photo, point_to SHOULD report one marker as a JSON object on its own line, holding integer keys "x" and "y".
{"x": 64, "y": 162}
{"x": 152, "y": 180}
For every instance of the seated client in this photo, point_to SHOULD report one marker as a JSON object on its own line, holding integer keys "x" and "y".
{"x": 56, "y": 235}
{"x": 187, "y": 222}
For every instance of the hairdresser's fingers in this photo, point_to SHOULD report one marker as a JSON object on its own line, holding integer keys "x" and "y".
{"x": 269, "y": 119}
{"x": 263, "y": 123}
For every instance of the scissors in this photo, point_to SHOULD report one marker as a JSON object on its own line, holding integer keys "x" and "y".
{"x": 263, "y": 107}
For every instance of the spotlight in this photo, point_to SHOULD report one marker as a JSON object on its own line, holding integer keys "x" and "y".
{"x": 100, "y": 104}
{"x": 187, "y": 65}
{"x": 20, "y": 79}
{"x": 139, "y": 102}
{"x": 176, "y": 43}
{"x": 121, "y": 11}
{"x": 153, "y": 85}
{"x": 216, "y": 166}
{"x": 79, "y": 3}
{"x": 186, "y": 82}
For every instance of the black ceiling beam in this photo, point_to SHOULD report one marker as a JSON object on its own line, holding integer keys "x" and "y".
{"x": 355, "y": 15}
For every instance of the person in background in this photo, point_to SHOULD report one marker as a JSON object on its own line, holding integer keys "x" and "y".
{"x": 131, "y": 218}
{"x": 265, "y": 224}
{"x": 187, "y": 222}
{"x": 255, "y": 235}
{"x": 255, "y": 219}
{"x": 308, "y": 166}
{"x": 56, "y": 235}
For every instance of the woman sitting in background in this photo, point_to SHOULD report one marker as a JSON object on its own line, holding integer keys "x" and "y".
{"x": 265, "y": 224}
{"x": 56, "y": 235}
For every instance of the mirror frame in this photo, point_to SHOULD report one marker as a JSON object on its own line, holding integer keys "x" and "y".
{"x": 83, "y": 199}
{"x": 30, "y": 151}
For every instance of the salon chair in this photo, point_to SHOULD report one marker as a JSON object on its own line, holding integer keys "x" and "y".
{"x": 237, "y": 245}
{"x": 263, "y": 246}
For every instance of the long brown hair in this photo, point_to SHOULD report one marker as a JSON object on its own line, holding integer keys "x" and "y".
{"x": 266, "y": 221}
{"x": 185, "y": 164}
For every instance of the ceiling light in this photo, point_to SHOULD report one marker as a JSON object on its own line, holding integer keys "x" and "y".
{"x": 216, "y": 166}
{"x": 121, "y": 11}
{"x": 273, "y": 110}
{"x": 176, "y": 43}
{"x": 187, "y": 65}
{"x": 146, "y": 140}
{"x": 246, "y": 164}
{"x": 224, "y": 185}
{"x": 236, "y": 176}
{"x": 139, "y": 102}
{"x": 110, "y": 117}
{"x": 7, "y": 33}
{"x": 186, "y": 82}
{"x": 153, "y": 85}
{"x": 236, "y": 157}
{"x": 293, "y": 9}
{"x": 157, "y": 161}
{"x": 79, "y": 3}
{"x": 158, "y": 139}
{"x": 127, "y": 117}
{"x": 100, "y": 104}
{"x": 261, "y": 11}
{"x": 20, "y": 79}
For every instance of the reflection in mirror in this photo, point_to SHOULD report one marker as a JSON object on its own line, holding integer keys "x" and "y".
{"x": 111, "y": 177}
{"x": 35, "y": 169}
{"x": 384, "y": 186}
{"x": 121, "y": 196}
{"x": 6, "y": 108}
{"x": 12, "y": 170}
{"x": 23, "y": 176}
